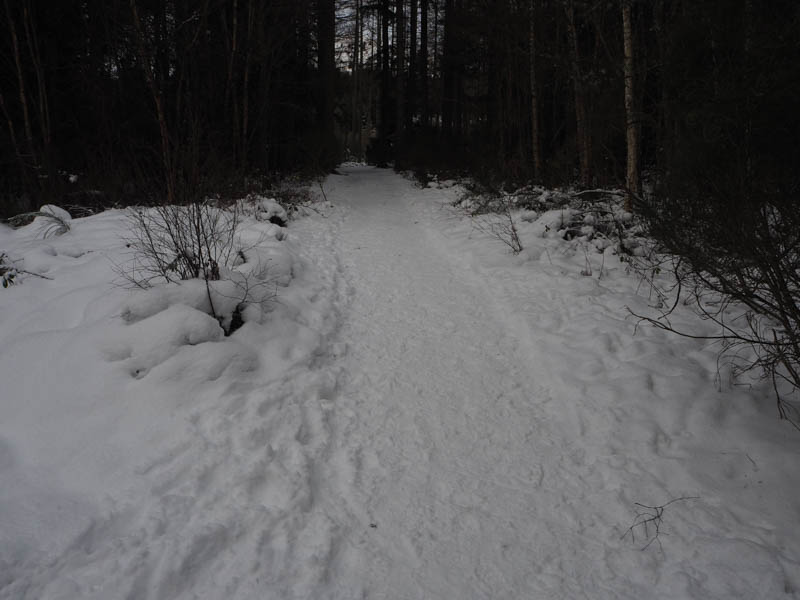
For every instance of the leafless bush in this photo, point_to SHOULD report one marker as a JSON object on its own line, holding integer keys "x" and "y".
{"x": 53, "y": 224}
{"x": 739, "y": 268}
{"x": 10, "y": 271}
{"x": 170, "y": 244}
{"x": 175, "y": 243}
{"x": 501, "y": 226}
{"x": 648, "y": 521}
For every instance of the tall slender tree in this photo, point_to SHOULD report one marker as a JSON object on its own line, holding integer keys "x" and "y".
{"x": 631, "y": 119}
{"x": 386, "y": 74}
{"x": 536, "y": 145}
{"x": 326, "y": 55}
{"x": 411, "y": 101}
{"x": 448, "y": 63}
{"x": 400, "y": 66}
{"x": 356, "y": 70}
{"x": 423, "y": 62}
{"x": 583, "y": 133}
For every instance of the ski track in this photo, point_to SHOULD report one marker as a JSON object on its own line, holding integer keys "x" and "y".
{"x": 454, "y": 438}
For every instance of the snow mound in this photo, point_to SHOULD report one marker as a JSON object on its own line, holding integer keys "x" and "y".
{"x": 56, "y": 211}
{"x": 277, "y": 264}
{"x": 551, "y": 223}
{"x": 268, "y": 209}
{"x": 142, "y": 452}
{"x": 152, "y": 340}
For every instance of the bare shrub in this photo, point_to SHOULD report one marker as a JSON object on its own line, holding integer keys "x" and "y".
{"x": 10, "y": 271}
{"x": 176, "y": 243}
{"x": 53, "y": 224}
{"x": 501, "y": 225}
{"x": 171, "y": 244}
{"x": 648, "y": 520}
{"x": 738, "y": 267}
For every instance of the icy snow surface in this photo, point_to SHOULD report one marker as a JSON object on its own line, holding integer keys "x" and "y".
{"x": 420, "y": 415}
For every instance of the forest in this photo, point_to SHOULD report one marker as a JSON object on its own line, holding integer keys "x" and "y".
{"x": 175, "y": 99}
{"x": 399, "y": 299}
{"x": 688, "y": 109}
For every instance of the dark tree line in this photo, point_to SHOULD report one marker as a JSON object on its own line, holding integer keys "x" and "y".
{"x": 173, "y": 98}
{"x": 591, "y": 91}
{"x": 692, "y": 107}
{"x": 150, "y": 99}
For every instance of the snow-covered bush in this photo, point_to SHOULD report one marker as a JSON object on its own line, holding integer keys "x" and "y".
{"x": 50, "y": 220}
{"x": 738, "y": 265}
{"x": 8, "y": 272}
{"x": 176, "y": 243}
{"x": 292, "y": 193}
{"x": 502, "y": 226}
{"x": 593, "y": 219}
{"x": 264, "y": 208}
{"x": 200, "y": 242}
{"x": 11, "y": 271}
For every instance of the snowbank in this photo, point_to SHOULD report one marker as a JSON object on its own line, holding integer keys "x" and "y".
{"x": 417, "y": 413}
{"x": 642, "y": 417}
{"x": 124, "y": 412}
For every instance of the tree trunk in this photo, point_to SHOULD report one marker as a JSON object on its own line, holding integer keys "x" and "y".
{"x": 386, "y": 77}
{"x": 23, "y": 169}
{"x": 400, "y": 40}
{"x": 458, "y": 71}
{"x": 536, "y": 147}
{"x": 494, "y": 78}
{"x": 166, "y": 153}
{"x": 245, "y": 135}
{"x": 326, "y": 53}
{"x": 423, "y": 62}
{"x": 631, "y": 120}
{"x": 411, "y": 104}
{"x": 33, "y": 160}
{"x": 230, "y": 88}
{"x": 748, "y": 55}
{"x": 44, "y": 108}
{"x": 448, "y": 70}
{"x": 582, "y": 134}
{"x": 355, "y": 125}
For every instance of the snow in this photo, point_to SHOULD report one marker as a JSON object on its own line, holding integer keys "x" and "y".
{"x": 418, "y": 413}
{"x": 267, "y": 209}
{"x": 56, "y": 211}
{"x": 50, "y": 221}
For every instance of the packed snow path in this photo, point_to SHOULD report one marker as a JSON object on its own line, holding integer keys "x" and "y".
{"x": 463, "y": 480}
{"x": 490, "y": 439}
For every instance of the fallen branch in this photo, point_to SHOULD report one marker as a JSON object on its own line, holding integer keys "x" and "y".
{"x": 39, "y": 275}
{"x": 604, "y": 192}
{"x": 650, "y": 519}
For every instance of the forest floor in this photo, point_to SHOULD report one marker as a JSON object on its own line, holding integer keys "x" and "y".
{"x": 422, "y": 415}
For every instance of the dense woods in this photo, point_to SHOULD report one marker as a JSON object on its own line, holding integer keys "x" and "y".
{"x": 154, "y": 100}
{"x": 147, "y": 99}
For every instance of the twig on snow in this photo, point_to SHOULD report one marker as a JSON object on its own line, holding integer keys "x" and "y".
{"x": 649, "y": 519}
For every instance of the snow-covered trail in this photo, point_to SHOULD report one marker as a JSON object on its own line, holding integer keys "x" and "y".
{"x": 463, "y": 482}
{"x": 439, "y": 424}
{"x": 419, "y": 415}
{"x": 492, "y": 433}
